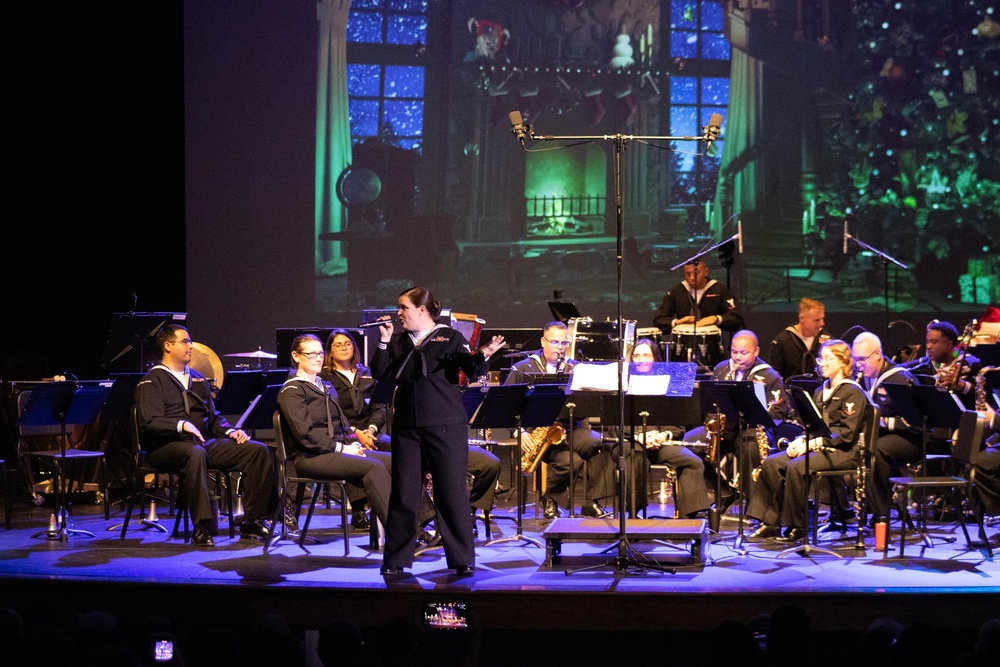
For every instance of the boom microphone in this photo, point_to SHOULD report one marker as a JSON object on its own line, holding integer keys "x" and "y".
{"x": 517, "y": 126}
{"x": 712, "y": 130}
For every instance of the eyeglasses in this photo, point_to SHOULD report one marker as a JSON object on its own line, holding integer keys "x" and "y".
{"x": 342, "y": 346}
{"x": 557, "y": 343}
{"x": 185, "y": 341}
{"x": 311, "y": 355}
{"x": 861, "y": 360}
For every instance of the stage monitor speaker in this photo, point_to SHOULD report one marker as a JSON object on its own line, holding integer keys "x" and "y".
{"x": 285, "y": 336}
{"x": 131, "y": 345}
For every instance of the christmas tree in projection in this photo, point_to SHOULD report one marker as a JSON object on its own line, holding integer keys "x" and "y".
{"x": 917, "y": 144}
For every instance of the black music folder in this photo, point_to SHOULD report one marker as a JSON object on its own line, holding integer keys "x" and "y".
{"x": 740, "y": 400}
{"x": 808, "y": 412}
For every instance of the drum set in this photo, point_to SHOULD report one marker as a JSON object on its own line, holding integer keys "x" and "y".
{"x": 685, "y": 342}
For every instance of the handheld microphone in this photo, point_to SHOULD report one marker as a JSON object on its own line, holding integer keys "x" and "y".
{"x": 739, "y": 235}
{"x": 377, "y": 323}
{"x": 712, "y": 130}
{"x": 517, "y": 126}
{"x": 846, "y": 236}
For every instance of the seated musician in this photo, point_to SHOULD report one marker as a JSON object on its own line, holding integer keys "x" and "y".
{"x": 354, "y": 384}
{"x": 945, "y": 364}
{"x": 699, "y": 303}
{"x": 898, "y": 442}
{"x": 795, "y": 348}
{"x": 752, "y": 444}
{"x": 551, "y": 359}
{"x": 692, "y": 496}
{"x": 986, "y": 470}
{"x": 780, "y": 496}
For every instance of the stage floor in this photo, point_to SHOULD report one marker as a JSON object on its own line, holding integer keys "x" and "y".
{"x": 514, "y": 588}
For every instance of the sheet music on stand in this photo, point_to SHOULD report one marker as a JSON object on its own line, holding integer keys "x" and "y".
{"x": 809, "y": 413}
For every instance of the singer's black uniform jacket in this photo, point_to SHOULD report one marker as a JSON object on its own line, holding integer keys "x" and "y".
{"x": 715, "y": 300}
{"x": 898, "y": 443}
{"x": 789, "y": 355}
{"x": 162, "y": 403}
{"x": 315, "y": 447}
{"x": 780, "y": 495}
{"x": 429, "y": 423}
{"x": 987, "y": 468}
{"x": 353, "y": 398}
{"x": 585, "y": 444}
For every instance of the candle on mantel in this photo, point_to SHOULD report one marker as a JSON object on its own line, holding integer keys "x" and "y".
{"x": 805, "y": 222}
{"x": 649, "y": 41}
{"x": 708, "y": 211}
{"x": 812, "y": 214}
{"x": 642, "y": 48}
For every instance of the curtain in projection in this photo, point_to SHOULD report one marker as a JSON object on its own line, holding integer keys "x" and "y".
{"x": 333, "y": 131}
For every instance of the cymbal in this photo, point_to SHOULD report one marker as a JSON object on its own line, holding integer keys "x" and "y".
{"x": 207, "y": 362}
{"x": 258, "y": 354}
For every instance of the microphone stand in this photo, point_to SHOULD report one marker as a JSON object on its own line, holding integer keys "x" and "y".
{"x": 625, "y": 557}
{"x": 885, "y": 269}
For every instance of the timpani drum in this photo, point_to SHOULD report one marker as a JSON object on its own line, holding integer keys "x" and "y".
{"x": 694, "y": 344}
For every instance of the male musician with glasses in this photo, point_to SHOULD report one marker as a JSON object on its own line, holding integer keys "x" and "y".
{"x": 940, "y": 365}
{"x": 551, "y": 360}
{"x": 702, "y": 304}
{"x": 899, "y": 443}
{"x": 183, "y": 433}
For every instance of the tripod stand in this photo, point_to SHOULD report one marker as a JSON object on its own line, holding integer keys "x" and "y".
{"x": 814, "y": 427}
{"x": 524, "y": 131}
{"x": 61, "y": 404}
{"x": 518, "y": 406}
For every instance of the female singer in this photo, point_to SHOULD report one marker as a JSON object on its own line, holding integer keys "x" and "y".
{"x": 780, "y": 496}
{"x": 429, "y": 424}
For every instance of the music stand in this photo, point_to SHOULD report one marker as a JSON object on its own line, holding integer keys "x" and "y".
{"x": 813, "y": 427}
{"x": 260, "y": 413}
{"x": 934, "y": 407}
{"x": 738, "y": 401}
{"x": 61, "y": 404}
{"x": 563, "y": 310}
{"x": 519, "y": 406}
{"x": 239, "y": 391}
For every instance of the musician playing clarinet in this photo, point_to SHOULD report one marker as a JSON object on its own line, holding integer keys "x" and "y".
{"x": 946, "y": 364}
{"x": 898, "y": 443}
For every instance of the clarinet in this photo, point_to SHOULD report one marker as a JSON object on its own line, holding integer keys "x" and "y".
{"x": 859, "y": 490}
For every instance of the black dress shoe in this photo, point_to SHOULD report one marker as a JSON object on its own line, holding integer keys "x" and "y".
{"x": 202, "y": 537}
{"x": 550, "y": 508}
{"x": 359, "y": 520}
{"x": 261, "y": 528}
{"x": 465, "y": 570}
{"x": 391, "y": 570}
{"x": 593, "y": 510}
{"x": 792, "y": 534}
{"x": 765, "y": 531}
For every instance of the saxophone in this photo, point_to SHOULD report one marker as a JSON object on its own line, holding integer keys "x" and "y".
{"x": 763, "y": 448}
{"x": 536, "y": 442}
{"x": 714, "y": 425}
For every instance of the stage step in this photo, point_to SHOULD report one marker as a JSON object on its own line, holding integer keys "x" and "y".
{"x": 690, "y": 531}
